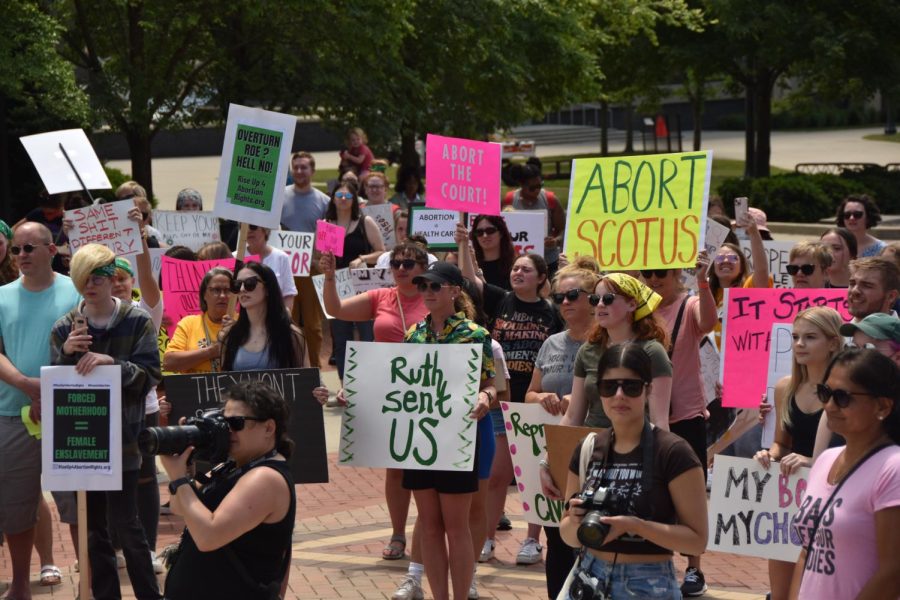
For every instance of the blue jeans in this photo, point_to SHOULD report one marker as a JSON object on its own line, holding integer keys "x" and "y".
{"x": 635, "y": 580}
{"x": 342, "y": 332}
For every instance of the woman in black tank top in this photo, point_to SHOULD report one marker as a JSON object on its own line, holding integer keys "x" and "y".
{"x": 226, "y": 552}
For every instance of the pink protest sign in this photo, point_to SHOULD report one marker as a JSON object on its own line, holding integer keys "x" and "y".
{"x": 747, "y": 332}
{"x": 330, "y": 238}
{"x": 463, "y": 175}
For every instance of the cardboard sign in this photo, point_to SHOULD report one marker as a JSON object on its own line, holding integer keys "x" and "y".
{"x": 187, "y": 228}
{"x": 383, "y": 215}
{"x": 54, "y": 169}
{"x": 81, "y": 430}
{"x": 778, "y": 253}
{"x": 561, "y": 443}
{"x": 527, "y": 228}
{"x": 639, "y": 212}
{"x": 751, "y": 508}
{"x": 463, "y": 175}
{"x": 254, "y": 166}
{"x": 781, "y": 361}
{"x": 330, "y": 238}
{"x": 437, "y": 226}
{"x": 299, "y": 248}
{"x": 747, "y": 331}
{"x": 106, "y": 224}
{"x": 344, "y": 284}
{"x": 408, "y": 406}
{"x": 527, "y": 444}
{"x": 709, "y": 368}
{"x": 181, "y": 285}
{"x": 715, "y": 237}
{"x": 192, "y": 395}
{"x": 364, "y": 280}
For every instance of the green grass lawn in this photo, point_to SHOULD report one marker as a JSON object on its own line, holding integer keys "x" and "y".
{"x": 883, "y": 137}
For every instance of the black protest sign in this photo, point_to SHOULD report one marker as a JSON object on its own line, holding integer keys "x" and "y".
{"x": 191, "y": 395}
{"x": 81, "y": 425}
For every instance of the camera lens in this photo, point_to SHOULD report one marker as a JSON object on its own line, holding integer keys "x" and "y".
{"x": 169, "y": 440}
{"x": 592, "y": 532}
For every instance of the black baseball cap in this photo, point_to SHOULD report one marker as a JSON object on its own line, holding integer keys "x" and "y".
{"x": 441, "y": 272}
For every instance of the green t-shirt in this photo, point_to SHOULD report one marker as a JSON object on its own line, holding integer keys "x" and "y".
{"x": 586, "y": 362}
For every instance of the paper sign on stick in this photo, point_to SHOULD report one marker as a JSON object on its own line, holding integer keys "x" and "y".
{"x": 437, "y": 226}
{"x": 561, "y": 443}
{"x": 254, "y": 166}
{"x": 715, "y": 237}
{"x": 747, "y": 331}
{"x": 408, "y": 405}
{"x": 181, "y": 285}
{"x": 383, "y": 215}
{"x": 81, "y": 429}
{"x": 329, "y": 238}
{"x": 527, "y": 229}
{"x": 186, "y": 228}
{"x": 781, "y": 360}
{"x": 299, "y": 248}
{"x": 463, "y": 175}
{"x": 344, "y": 284}
{"x": 639, "y": 212}
{"x": 750, "y": 509}
{"x": 525, "y": 433}
{"x": 371, "y": 279}
{"x": 54, "y": 169}
{"x": 709, "y": 368}
{"x": 106, "y": 224}
{"x": 778, "y": 253}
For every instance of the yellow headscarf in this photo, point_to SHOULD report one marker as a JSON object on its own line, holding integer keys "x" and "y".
{"x": 647, "y": 300}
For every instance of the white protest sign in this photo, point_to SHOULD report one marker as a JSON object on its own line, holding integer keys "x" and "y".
{"x": 187, "y": 228}
{"x": 709, "y": 368}
{"x": 299, "y": 248}
{"x": 54, "y": 169}
{"x": 750, "y": 509}
{"x": 156, "y": 255}
{"x": 781, "y": 361}
{"x": 437, "y": 226}
{"x": 527, "y": 229}
{"x": 778, "y": 253}
{"x": 715, "y": 237}
{"x": 371, "y": 279}
{"x": 383, "y": 215}
{"x": 527, "y": 444}
{"x": 344, "y": 283}
{"x": 107, "y": 224}
{"x": 254, "y": 166}
{"x": 408, "y": 405}
{"x": 81, "y": 429}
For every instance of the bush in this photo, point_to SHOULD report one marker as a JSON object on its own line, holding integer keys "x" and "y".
{"x": 734, "y": 187}
{"x": 836, "y": 187}
{"x": 792, "y": 197}
{"x": 881, "y": 184}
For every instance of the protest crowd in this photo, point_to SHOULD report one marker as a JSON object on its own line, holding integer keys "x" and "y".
{"x": 661, "y": 369}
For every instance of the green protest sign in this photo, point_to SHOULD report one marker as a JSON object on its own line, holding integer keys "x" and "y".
{"x": 252, "y": 179}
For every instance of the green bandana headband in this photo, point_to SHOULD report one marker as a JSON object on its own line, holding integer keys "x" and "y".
{"x": 123, "y": 264}
{"x": 5, "y": 230}
{"x": 647, "y": 300}
{"x": 106, "y": 270}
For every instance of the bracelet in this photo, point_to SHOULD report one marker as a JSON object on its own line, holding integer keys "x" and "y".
{"x": 544, "y": 464}
{"x": 489, "y": 395}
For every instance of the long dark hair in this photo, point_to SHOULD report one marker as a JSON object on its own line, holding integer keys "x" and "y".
{"x": 331, "y": 211}
{"x": 264, "y": 403}
{"x": 283, "y": 352}
{"x": 507, "y": 250}
{"x": 878, "y": 375}
{"x": 873, "y": 215}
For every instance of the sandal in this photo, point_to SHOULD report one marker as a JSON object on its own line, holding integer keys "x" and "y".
{"x": 395, "y": 549}
{"x": 50, "y": 575}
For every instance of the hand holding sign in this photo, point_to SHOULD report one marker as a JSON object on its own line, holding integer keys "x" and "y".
{"x": 330, "y": 238}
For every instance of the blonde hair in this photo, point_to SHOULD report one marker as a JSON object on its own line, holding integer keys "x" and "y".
{"x": 817, "y": 250}
{"x": 828, "y": 321}
{"x": 588, "y": 279}
{"x": 130, "y": 188}
{"x": 358, "y": 131}
{"x": 88, "y": 258}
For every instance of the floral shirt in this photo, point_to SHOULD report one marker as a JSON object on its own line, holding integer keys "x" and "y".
{"x": 457, "y": 330}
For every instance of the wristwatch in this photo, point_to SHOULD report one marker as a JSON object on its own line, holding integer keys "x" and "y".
{"x": 174, "y": 485}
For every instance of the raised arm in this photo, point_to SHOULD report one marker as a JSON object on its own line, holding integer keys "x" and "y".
{"x": 356, "y": 308}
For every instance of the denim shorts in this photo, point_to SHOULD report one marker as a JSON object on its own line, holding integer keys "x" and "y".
{"x": 634, "y": 580}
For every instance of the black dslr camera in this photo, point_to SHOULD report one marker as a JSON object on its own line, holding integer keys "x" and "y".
{"x": 599, "y": 502}
{"x": 586, "y": 587}
{"x": 209, "y": 435}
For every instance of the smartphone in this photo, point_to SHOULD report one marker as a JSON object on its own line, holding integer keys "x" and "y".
{"x": 79, "y": 322}
{"x": 740, "y": 208}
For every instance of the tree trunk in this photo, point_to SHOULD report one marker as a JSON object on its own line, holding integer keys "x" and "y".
{"x": 629, "y": 128}
{"x": 6, "y": 208}
{"x": 764, "y": 90}
{"x": 697, "y": 100}
{"x": 409, "y": 158}
{"x": 141, "y": 164}
{"x": 604, "y": 128}
{"x": 749, "y": 130}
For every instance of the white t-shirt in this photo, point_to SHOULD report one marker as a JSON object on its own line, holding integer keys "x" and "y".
{"x": 280, "y": 262}
{"x": 151, "y": 402}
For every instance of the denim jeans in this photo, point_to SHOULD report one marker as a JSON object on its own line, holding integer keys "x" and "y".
{"x": 118, "y": 511}
{"x": 634, "y": 580}
{"x": 342, "y": 332}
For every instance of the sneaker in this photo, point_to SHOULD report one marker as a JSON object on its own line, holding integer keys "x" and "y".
{"x": 473, "y": 591}
{"x": 487, "y": 553}
{"x": 165, "y": 509}
{"x": 694, "y": 583}
{"x": 158, "y": 566}
{"x": 504, "y": 524}
{"x": 120, "y": 559}
{"x": 410, "y": 589}
{"x": 529, "y": 553}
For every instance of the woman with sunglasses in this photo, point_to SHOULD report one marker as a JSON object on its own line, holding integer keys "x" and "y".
{"x": 229, "y": 551}
{"x": 842, "y": 244}
{"x": 656, "y": 478}
{"x": 8, "y": 270}
{"x": 859, "y": 213}
{"x": 494, "y": 250}
{"x": 850, "y": 515}
{"x": 808, "y": 264}
{"x": 816, "y": 341}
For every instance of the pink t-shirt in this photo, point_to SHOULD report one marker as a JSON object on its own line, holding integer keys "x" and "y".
{"x": 688, "y": 399}
{"x": 390, "y": 326}
{"x": 844, "y": 556}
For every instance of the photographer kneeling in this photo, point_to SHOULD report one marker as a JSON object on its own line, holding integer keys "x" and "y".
{"x": 237, "y": 539}
{"x": 636, "y": 493}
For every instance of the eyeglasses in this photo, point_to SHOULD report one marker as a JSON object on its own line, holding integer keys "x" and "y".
{"x": 658, "y": 273}
{"x": 732, "y": 258}
{"x": 375, "y": 186}
{"x": 572, "y": 296}
{"x": 219, "y": 291}
{"x": 486, "y": 231}
{"x": 406, "y": 263}
{"x": 343, "y": 195}
{"x": 97, "y": 280}
{"x": 854, "y": 214}
{"x": 27, "y": 249}
{"x": 806, "y": 269}
{"x": 249, "y": 284}
{"x": 841, "y": 397}
{"x": 237, "y": 423}
{"x": 606, "y": 299}
{"x": 424, "y": 286}
{"x": 630, "y": 387}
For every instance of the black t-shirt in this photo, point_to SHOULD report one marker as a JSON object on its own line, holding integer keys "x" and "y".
{"x": 520, "y": 328}
{"x": 622, "y": 476}
{"x": 495, "y": 274}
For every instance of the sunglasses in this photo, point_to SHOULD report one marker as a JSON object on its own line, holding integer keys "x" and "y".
{"x": 424, "y": 286}
{"x": 806, "y": 269}
{"x": 238, "y": 423}
{"x": 572, "y": 296}
{"x": 532, "y": 188}
{"x": 630, "y": 387}
{"x": 27, "y": 249}
{"x": 658, "y": 273}
{"x": 606, "y": 299}
{"x": 486, "y": 231}
{"x": 249, "y": 284}
{"x": 343, "y": 195}
{"x": 406, "y": 263}
{"x": 732, "y": 258}
{"x": 854, "y": 214}
{"x": 841, "y": 397}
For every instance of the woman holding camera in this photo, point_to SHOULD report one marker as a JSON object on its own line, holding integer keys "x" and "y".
{"x": 646, "y": 481}
{"x": 237, "y": 538}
